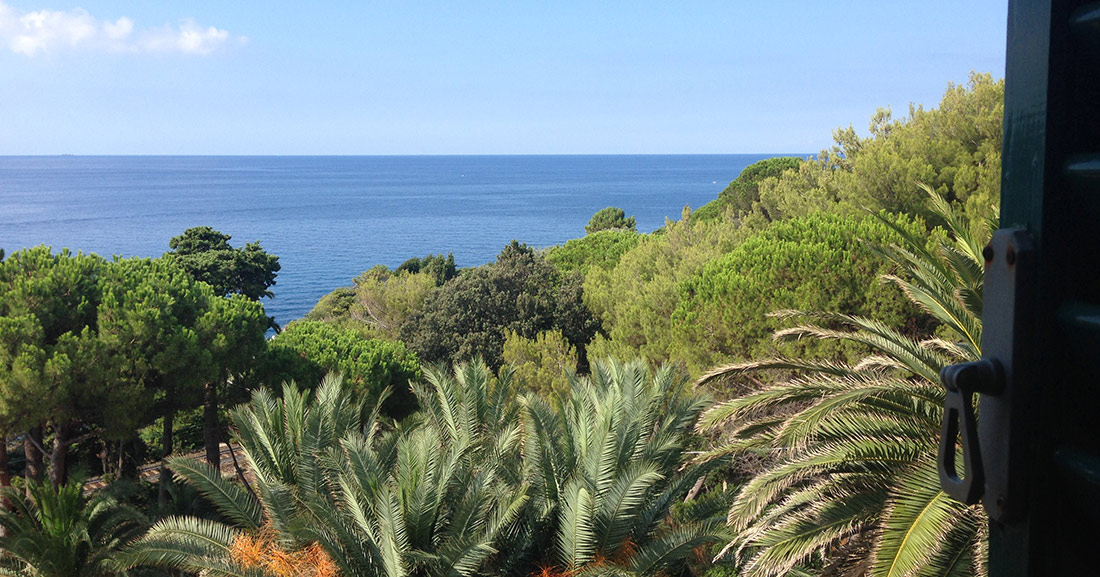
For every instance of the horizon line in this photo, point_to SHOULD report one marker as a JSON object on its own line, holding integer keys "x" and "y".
{"x": 70, "y": 155}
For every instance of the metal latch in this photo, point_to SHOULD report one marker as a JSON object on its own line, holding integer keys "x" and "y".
{"x": 994, "y": 438}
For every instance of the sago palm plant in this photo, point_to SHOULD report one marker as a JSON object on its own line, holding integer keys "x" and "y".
{"x": 606, "y": 469}
{"x": 472, "y": 407}
{"x": 852, "y": 486}
{"x": 58, "y": 532}
{"x": 331, "y": 495}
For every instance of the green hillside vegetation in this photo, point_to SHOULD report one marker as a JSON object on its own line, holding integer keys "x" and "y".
{"x": 672, "y": 295}
{"x": 610, "y": 218}
{"x": 635, "y": 300}
{"x": 955, "y": 149}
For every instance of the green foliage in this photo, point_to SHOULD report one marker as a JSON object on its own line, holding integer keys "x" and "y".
{"x": 635, "y": 300}
{"x": 56, "y": 532}
{"x": 306, "y": 350}
{"x": 206, "y": 255}
{"x": 822, "y": 262}
{"x": 542, "y": 363}
{"x": 333, "y": 306}
{"x": 601, "y": 249}
{"x": 610, "y": 218}
{"x": 608, "y": 466}
{"x": 385, "y": 301}
{"x": 471, "y": 315}
{"x": 956, "y": 149}
{"x": 48, "y": 306}
{"x": 853, "y": 477}
{"x": 380, "y": 302}
{"x": 743, "y": 193}
{"x": 428, "y": 500}
{"x": 474, "y": 483}
{"x": 434, "y": 265}
{"x": 159, "y": 329}
{"x": 91, "y": 346}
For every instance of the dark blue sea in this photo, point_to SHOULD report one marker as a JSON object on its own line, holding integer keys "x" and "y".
{"x": 330, "y": 218}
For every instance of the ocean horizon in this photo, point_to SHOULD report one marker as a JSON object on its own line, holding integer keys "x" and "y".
{"x": 329, "y": 218}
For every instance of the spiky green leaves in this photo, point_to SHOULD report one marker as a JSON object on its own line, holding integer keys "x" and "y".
{"x": 608, "y": 466}
{"x": 56, "y": 532}
{"x": 429, "y": 499}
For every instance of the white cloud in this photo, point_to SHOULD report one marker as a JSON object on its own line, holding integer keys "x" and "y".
{"x": 120, "y": 29}
{"x": 51, "y": 31}
{"x": 188, "y": 38}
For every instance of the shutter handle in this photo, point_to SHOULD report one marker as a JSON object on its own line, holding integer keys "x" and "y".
{"x": 997, "y": 444}
{"x": 962, "y": 381}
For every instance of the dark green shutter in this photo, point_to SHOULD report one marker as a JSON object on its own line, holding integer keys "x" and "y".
{"x": 1051, "y": 190}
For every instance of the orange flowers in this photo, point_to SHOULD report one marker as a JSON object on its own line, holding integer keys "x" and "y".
{"x": 261, "y": 550}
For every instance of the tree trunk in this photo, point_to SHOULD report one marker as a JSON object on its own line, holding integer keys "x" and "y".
{"x": 5, "y": 477}
{"x": 121, "y": 465}
{"x": 59, "y": 470}
{"x": 31, "y": 441}
{"x": 5, "y": 480}
{"x": 104, "y": 457}
{"x": 695, "y": 489}
{"x": 166, "y": 441}
{"x": 211, "y": 430}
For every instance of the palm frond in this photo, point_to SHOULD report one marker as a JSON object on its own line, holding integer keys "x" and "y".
{"x": 230, "y": 499}
{"x": 577, "y": 538}
{"x": 850, "y": 446}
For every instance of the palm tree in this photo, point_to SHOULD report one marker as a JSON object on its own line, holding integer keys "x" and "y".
{"x": 331, "y": 494}
{"x": 60, "y": 533}
{"x": 852, "y": 485}
{"x": 608, "y": 466}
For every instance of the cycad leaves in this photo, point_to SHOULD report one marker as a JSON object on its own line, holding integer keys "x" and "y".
{"x": 620, "y": 504}
{"x": 186, "y": 543}
{"x": 58, "y": 533}
{"x": 231, "y": 499}
{"x": 427, "y": 498}
{"x": 615, "y": 457}
{"x": 577, "y": 536}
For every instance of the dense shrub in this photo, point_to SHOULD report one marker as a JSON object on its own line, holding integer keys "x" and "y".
{"x": 434, "y": 265}
{"x": 744, "y": 192}
{"x": 541, "y": 364}
{"x": 822, "y": 262}
{"x": 379, "y": 303}
{"x": 636, "y": 299}
{"x": 601, "y": 249}
{"x": 610, "y": 218}
{"x": 306, "y": 350}
{"x": 955, "y": 149}
{"x": 521, "y": 292}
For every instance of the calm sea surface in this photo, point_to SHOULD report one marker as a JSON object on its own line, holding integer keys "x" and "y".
{"x": 330, "y": 218}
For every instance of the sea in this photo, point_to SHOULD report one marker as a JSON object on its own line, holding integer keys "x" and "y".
{"x": 328, "y": 218}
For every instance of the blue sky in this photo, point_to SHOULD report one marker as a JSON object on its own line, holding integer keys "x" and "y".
{"x": 472, "y": 77}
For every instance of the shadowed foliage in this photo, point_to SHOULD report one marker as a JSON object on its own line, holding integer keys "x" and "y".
{"x": 57, "y": 532}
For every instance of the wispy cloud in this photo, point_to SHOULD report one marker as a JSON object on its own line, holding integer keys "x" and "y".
{"x": 53, "y": 31}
